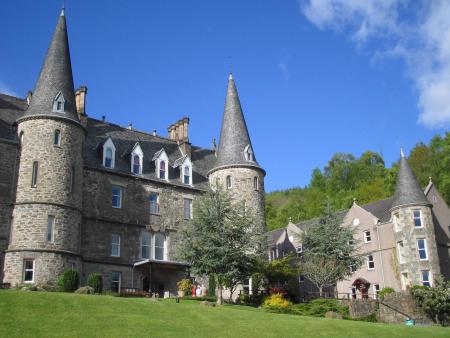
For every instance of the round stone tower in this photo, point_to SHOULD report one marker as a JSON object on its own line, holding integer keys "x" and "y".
{"x": 45, "y": 230}
{"x": 414, "y": 231}
{"x": 236, "y": 168}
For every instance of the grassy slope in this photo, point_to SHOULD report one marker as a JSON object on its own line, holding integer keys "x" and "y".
{"x": 40, "y": 314}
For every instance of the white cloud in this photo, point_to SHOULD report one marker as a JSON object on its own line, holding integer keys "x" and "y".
{"x": 421, "y": 38}
{"x": 5, "y": 89}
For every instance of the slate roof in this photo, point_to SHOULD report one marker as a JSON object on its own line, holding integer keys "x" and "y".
{"x": 125, "y": 139}
{"x": 272, "y": 236}
{"x": 11, "y": 108}
{"x": 55, "y": 76}
{"x": 234, "y": 136}
{"x": 407, "y": 189}
{"x": 380, "y": 209}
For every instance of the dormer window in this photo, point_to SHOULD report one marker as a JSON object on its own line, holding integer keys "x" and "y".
{"x": 136, "y": 159}
{"x": 185, "y": 165}
{"x": 186, "y": 174}
{"x": 161, "y": 164}
{"x": 58, "y": 103}
{"x": 248, "y": 153}
{"x": 109, "y": 154}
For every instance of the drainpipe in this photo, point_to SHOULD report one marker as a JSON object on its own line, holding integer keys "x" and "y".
{"x": 381, "y": 253}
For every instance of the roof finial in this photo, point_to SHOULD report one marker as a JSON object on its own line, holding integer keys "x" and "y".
{"x": 63, "y": 8}
{"x": 230, "y": 76}
{"x": 354, "y": 200}
{"x": 402, "y": 154}
{"x": 430, "y": 180}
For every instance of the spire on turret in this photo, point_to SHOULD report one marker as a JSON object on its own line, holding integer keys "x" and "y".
{"x": 55, "y": 82}
{"x": 407, "y": 190}
{"x": 235, "y": 147}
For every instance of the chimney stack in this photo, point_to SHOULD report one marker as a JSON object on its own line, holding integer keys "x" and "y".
{"x": 179, "y": 132}
{"x": 80, "y": 102}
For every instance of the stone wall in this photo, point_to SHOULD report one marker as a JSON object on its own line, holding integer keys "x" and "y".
{"x": 243, "y": 190}
{"x": 8, "y": 169}
{"x": 404, "y": 302}
{"x": 361, "y": 307}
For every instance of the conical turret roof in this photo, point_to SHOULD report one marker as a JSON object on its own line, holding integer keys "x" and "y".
{"x": 235, "y": 145}
{"x": 55, "y": 77}
{"x": 407, "y": 190}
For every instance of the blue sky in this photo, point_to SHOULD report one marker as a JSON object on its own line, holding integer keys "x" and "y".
{"x": 315, "y": 77}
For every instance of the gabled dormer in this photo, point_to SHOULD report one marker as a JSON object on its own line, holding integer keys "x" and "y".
{"x": 137, "y": 160}
{"x": 109, "y": 154}
{"x": 161, "y": 165}
{"x": 185, "y": 165}
{"x": 248, "y": 153}
{"x": 58, "y": 103}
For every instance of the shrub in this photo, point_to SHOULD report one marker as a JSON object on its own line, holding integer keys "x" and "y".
{"x": 95, "y": 281}
{"x": 185, "y": 285}
{"x": 252, "y": 300}
{"x": 435, "y": 301}
{"x": 276, "y": 302}
{"x": 369, "y": 318}
{"x": 384, "y": 292}
{"x": 85, "y": 290}
{"x": 69, "y": 280}
{"x": 319, "y": 307}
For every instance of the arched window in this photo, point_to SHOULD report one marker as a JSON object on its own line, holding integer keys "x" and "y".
{"x": 136, "y": 164}
{"x": 57, "y": 137}
{"x": 162, "y": 170}
{"x": 255, "y": 183}
{"x": 58, "y": 103}
{"x": 248, "y": 153}
{"x": 160, "y": 244}
{"x": 108, "y": 158}
{"x": 187, "y": 175}
{"x": 229, "y": 182}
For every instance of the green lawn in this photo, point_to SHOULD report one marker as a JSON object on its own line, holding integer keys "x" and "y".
{"x": 47, "y": 314}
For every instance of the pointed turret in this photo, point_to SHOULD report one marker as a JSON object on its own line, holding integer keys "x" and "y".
{"x": 235, "y": 147}
{"x": 407, "y": 190}
{"x": 54, "y": 93}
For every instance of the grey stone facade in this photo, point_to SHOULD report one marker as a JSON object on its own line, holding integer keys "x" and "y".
{"x": 67, "y": 215}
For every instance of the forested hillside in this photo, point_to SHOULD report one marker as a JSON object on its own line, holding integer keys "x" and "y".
{"x": 365, "y": 178}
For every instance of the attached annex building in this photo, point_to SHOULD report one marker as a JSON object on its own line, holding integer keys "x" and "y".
{"x": 76, "y": 192}
{"x": 404, "y": 240}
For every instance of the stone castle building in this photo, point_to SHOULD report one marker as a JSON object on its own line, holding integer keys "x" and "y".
{"x": 76, "y": 192}
{"x": 404, "y": 240}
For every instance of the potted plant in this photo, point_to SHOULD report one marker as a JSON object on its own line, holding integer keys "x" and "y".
{"x": 184, "y": 286}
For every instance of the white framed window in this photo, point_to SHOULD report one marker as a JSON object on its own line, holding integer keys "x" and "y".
{"x": 28, "y": 270}
{"x": 187, "y": 208}
{"x": 367, "y": 236}
{"x": 417, "y": 217}
{"x": 116, "y": 193}
{"x": 401, "y": 252}
{"x": 187, "y": 175}
{"x": 57, "y": 137}
{"x": 50, "y": 229}
{"x": 154, "y": 203}
{"x": 229, "y": 182}
{"x": 299, "y": 250}
{"x": 426, "y": 277}
{"x": 58, "y": 103}
{"x": 161, "y": 165}
{"x": 109, "y": 154}
{"x": 248, "y": 153}
{"x": 397, "y": 225}
{"x": 34, "y": 174}
{"x": 160, "y": 246}
{"x": 370, "y": 262}
{"x": 256, "y": 183}
{"x": 422, "y": 249}
{"x": 137, "y": 159}
{"x": 145, "y": 245}
{"x": 376, "y": 290}
{"x": 115, "y": 245}
{"x": 116, "y": 281}
{"x": 162, "y": 173}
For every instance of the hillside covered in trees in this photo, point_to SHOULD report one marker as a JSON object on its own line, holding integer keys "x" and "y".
{"x": 365, "y": 178}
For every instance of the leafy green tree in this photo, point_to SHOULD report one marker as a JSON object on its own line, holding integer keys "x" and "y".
{"x": 329, "y": 240}
{"x": 278, "y": 271}
{"x": 222, "y": 241}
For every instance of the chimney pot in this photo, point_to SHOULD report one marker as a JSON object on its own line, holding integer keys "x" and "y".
{"x": 154, "y": 132}
{"x": 103, "y": 118}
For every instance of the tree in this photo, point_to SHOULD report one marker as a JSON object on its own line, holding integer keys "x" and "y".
{"x": 222, "y": 241}
{"x": 329, "y": 240}
{"x": 323, "y": 272}
{"x": 275, "y": 272}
